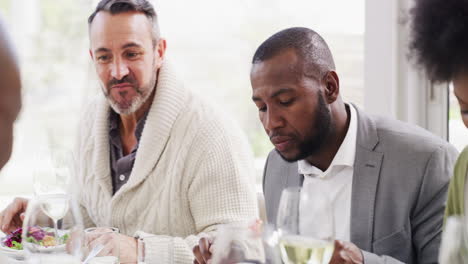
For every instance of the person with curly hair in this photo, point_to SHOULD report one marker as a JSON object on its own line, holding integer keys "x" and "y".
{"x": 439, "y": 45}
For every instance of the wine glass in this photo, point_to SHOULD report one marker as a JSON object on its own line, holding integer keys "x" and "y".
{"x": 270, "y": 239}
{"x": 454, "y": 245}
{"x": 53, "y": 230}
{"x": 52, "y": 171}
{"x": 305, "y": 227}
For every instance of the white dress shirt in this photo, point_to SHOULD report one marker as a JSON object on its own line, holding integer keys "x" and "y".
{"x": 333, "y": 186}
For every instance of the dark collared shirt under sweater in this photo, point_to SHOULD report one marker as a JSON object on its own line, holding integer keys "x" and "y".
{"x": 122, "y": 165}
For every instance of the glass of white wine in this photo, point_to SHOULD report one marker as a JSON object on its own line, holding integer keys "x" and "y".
{"x": 53, "y": 230}
{"x": 305, "y": 227}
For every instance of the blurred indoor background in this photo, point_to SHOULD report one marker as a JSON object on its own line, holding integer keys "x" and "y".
{"x": 211, "y": 43}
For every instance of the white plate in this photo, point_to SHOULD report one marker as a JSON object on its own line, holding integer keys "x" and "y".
{"x": 12, "y": 253}
{"x": 19, "y": 254}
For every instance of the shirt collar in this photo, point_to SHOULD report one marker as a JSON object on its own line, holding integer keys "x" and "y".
{"x": 344, "y": 156}
{"x": 114, "y": 125}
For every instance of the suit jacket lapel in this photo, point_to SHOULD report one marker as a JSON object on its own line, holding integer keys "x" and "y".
{"x": 294, "y": 179}
{"x": 365, "y": 179}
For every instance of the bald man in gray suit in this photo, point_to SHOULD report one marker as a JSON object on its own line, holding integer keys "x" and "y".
{"x": 388, "y": 180}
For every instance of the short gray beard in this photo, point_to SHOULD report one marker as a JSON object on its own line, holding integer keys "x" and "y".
{"x": 136, "y": 103}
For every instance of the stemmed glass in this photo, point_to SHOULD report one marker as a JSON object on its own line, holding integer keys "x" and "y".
{"x": 305, "y": 227}
{"x": 53, "y": 231}
{"x": 51, "y": 182}
{"x": 52, "y": 171}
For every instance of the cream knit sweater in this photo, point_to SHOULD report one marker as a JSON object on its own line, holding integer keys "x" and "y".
{"x": 193, "y": 171}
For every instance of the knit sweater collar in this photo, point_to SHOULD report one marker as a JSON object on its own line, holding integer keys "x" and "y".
{"x": 168, "y": 102}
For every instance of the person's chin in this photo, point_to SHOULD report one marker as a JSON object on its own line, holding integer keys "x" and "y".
{"x": 289, "y": 156}
{"x": 121, "y": 109}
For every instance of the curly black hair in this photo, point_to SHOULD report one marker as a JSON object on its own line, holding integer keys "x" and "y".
{"x": 439, "y": 39}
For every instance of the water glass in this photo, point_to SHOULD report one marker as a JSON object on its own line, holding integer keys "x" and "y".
{"x": 106, "y": 238}
{"x": 238, "y": 243}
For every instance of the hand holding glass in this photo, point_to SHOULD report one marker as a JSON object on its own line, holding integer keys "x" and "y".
{"x": 108, "y": 239}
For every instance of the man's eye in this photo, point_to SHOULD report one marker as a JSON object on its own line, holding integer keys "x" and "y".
{"x": 286, "y": 103}
{"x": 103, "y": 58}
{"x": 262, "y": 109}
{"x": 132, "y": 54}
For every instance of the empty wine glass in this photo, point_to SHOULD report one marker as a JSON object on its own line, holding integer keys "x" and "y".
{"x": 53, "y": 230}
{"x": 306, "y": 227}
{"x": 52, "y": 171}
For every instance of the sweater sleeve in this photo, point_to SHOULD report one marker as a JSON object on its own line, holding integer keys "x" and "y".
{"x": 221, "y": 191}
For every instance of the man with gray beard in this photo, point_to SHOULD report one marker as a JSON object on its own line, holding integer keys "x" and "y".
{"x": 153, "y": 159}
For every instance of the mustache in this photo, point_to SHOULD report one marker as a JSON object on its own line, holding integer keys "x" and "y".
{"x": 274, "y": 134}
{"x": 126, "y": 79}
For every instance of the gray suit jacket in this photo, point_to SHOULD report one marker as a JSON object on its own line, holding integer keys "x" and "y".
{"x": 400, "y": 181}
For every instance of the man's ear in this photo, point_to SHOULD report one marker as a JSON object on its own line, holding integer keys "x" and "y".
{"x": 160, "y": 52}
{"x": 332, "y": 86}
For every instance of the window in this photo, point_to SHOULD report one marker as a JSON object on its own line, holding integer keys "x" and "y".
{"x": 51, "y": 41}
{"x": 213, "y": 50}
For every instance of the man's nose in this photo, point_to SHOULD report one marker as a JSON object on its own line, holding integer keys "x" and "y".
{"x": 273, "y": 120}
{"x": 119, "y": 69}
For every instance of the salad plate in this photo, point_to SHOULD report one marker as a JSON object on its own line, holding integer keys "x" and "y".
{"x": 11, "y": 247}
{"x": 42, "y": 238}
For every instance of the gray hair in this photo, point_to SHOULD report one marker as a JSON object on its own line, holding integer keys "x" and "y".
{"x": 123, "y": 6}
